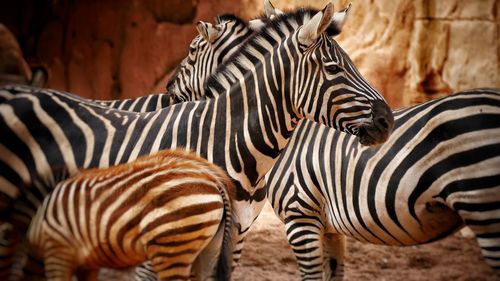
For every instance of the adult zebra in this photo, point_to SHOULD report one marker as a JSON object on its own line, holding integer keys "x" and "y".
{"x": 283, "y": 74}
{"x": 439, "y": 170}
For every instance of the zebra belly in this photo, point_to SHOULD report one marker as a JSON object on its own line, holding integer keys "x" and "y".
{"x": 434, "y": 220}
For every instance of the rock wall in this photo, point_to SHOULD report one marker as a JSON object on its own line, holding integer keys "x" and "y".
{"x": 454, "y": 46}
{"x": 410, "y": 50}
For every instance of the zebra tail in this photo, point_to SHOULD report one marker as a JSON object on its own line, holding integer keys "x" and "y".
{"x": 224, "y": 264}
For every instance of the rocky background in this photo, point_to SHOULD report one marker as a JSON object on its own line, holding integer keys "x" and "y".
{"x": 410, "y": 50}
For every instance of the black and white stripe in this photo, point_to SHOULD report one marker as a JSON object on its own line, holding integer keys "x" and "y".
{"x": 214, "y": 44}
{"x": 439, "y": 170}
{"x": 147, "y": 103}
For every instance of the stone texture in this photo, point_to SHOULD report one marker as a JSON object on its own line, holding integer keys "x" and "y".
{"x": 455, "y": 46}
{"x": 410, "y": 51}
{"x": 457, "y": 9}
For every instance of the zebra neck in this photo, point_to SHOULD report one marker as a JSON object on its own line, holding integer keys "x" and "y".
{"x": 259, "y": 86}
{"x": 248, "y": 126}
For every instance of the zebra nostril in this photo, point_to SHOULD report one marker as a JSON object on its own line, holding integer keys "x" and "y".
{"x": 383, "y": 119}
{"x": 382, "y": 122}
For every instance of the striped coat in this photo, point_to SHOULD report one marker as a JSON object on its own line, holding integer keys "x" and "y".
{"x": 439, "y": 170}
{"x": 165, "y": 208}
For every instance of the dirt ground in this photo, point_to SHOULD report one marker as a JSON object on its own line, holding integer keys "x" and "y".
{"x": 267, "y": 256}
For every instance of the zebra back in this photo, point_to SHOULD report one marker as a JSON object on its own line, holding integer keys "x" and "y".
{"x": 147, "y": 103}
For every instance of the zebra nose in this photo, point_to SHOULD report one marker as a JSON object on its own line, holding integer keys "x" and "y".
{"x": 383, "y": 119}
{"x": 382, "y": 122}
{"x": 381, "y": 128}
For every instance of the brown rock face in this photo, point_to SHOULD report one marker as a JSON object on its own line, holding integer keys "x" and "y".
{"x": 409, "y": 50}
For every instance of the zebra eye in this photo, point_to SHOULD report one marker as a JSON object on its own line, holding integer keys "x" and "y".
{"x": 331, "y": 68}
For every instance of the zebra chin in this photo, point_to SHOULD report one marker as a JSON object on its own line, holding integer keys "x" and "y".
{"x": 381, "y": 127}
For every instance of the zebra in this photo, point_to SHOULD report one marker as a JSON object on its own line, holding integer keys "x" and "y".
{"x": 166, "y": 207}
{"x": 242, "y": 128}
{"x": 439, "y": 170}
{"x": 229, "y": 28}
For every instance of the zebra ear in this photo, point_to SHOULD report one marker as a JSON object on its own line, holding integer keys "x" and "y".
{"x": 312, "y": 29}
{"x": 338, "y": 20}
{"x": 208, "y": 31}
{"x": 270, "y": 10}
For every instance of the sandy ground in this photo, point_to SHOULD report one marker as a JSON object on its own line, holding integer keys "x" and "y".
{"x": 267, "y": 256}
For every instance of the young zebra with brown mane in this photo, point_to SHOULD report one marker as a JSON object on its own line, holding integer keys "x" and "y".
{"x": 166, "y": 208}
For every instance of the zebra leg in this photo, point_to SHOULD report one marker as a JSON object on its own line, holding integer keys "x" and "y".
{"x": 58, "y": 269}
{"x": 59, "y": 260}
{"x": 486, "y": 227}
{"x": 143, "y": 272}
{"x": 206, "y": 262}
{"x": 6, "y": 257}
{"x": 479, "y": 209}
{"x": 33, "y": 269}
{"x": 334, "y": 245}
{"x": 305, "y": 237}
{"x": 243, "y": 218}
{"x": 86, "y": 275}
{"x": 9, "y": 254}
{"x": 172, "y": 256}
{"x": 169, "y": 268}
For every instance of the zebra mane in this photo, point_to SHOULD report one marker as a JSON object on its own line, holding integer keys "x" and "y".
{"x": 332, "y": 29}
{"x": 229, "y": 17}
{"x": 281, "y": 25}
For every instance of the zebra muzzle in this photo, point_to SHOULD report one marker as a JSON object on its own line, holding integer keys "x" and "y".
{"x": 380, "y": 129}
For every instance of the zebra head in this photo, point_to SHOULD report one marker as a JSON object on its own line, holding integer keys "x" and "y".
{"x": 331, "y": 90}
{"x": 206, "y": 52}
